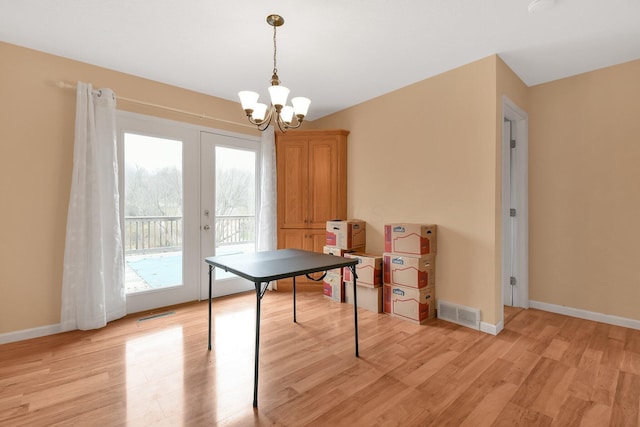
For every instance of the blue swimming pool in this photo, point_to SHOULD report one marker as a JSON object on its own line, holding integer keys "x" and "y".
{"x": 158, "y": 270}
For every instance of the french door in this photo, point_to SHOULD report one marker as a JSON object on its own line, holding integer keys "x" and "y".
{"x": 176, "y": 188}
{"x": 229, "y": 199}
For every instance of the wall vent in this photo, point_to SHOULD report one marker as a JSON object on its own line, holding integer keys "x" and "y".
{"x": 155, "y": 316}
{"x": 465, "y": 316}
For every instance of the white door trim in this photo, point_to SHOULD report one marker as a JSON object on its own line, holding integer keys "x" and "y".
{"x": 194, "y": 259}
{"x": 520, "y": 120}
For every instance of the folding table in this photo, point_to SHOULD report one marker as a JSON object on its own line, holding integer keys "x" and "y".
{"x": 263, "y": 267}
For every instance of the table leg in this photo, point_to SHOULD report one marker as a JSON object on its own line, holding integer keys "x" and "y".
{"x": 210, "y": 273}
{"x": 355, "y": 307}
{"x": 257, "y": 351}
{"x": 294, "y": 300}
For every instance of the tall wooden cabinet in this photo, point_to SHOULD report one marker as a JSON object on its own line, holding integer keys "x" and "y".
{"x": 312, "y": 189}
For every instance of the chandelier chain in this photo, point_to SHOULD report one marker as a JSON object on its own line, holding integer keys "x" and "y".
{"x": 275, "y": 48}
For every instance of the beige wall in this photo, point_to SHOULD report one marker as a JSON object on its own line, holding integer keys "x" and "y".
{"x": 427, "y": 153}
{"x": 584, "y": 153}
{"x": 584, "y": 197}
{"x": 36, "y": 154}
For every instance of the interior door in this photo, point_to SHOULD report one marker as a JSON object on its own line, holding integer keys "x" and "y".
{"x": 229, "y": 197}
{"x": 515, "y": 219}
{"x": 507, "y": 194}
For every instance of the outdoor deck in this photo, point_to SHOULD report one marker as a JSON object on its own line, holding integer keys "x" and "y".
{"x": 153, "y": 249}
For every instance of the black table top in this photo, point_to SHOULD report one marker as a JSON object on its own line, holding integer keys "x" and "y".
{"x": 279, "y": 264}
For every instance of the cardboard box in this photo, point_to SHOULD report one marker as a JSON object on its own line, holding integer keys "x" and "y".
{"x": 411, "y": 271}
{"x": 368, "y": 298}
{"x": 411, "y": 304}
{"x": 368, "y": 270}
{"x": 410, "y": 239}
{"x": 332, "y": 250}
{"x": 346, "y": 234}
{"x": 333, "y": 288}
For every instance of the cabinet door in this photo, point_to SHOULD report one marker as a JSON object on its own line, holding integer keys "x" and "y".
{"x": 317, "y": 239}
{"x": 306, "y": 239}
{"x": 293, "y": 238}
{"x": 302, "y": 238}
{"x": 292, "y": 160}
{"x": 323, "y": 181}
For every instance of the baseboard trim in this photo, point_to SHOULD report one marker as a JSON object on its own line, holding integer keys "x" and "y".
{"x": 484, "y": 326}
{"x": 488, "y": 328}
{"x": 26, "y": 334}
{"x": 587, "y": 315}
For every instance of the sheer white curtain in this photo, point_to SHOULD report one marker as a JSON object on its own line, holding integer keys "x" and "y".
{"x": 267, "y": 215}
{"x": 93, "y": 277}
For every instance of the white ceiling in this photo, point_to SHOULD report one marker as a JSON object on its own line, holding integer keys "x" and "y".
{"x": 336, "y": 52}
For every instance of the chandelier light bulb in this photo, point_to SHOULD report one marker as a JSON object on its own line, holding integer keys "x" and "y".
{"x": 278, "y": 95}
{"x": 287, "y": 114}
{"x": 259, "y": 112}
{"x": 248, "y": 99}
{"x": 300, "y": 105}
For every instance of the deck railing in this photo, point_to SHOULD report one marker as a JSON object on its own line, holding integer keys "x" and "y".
{"x": 149, "y": 234}
{"x": 235, "y": 230}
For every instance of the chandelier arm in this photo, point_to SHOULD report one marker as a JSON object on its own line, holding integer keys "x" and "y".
{"x": 297, "y": 125}
{"x": 264, "y": 125}
{"x": 284, "y": 126}
{"x": 281, "y": 125}
{"x": 252, "y": 121}
{"x": 267, "y": 120}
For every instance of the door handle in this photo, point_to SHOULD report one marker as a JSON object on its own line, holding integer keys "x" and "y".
{"x": 207, "y": 227}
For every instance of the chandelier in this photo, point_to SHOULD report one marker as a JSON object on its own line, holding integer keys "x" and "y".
{"x": 260, "y": 114}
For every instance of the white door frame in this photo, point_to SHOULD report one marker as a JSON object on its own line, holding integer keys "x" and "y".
{"x": 519, "y": 119}
{"x": 192, "y": 254}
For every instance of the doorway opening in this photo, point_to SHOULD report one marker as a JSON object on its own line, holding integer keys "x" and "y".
{"x": 514, "y": 212}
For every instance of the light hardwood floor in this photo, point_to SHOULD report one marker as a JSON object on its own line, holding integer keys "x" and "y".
{"x": 543, "y": 369}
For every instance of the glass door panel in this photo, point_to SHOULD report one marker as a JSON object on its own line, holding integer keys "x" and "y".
{"x": 235, "y": 199}
{"x": 153, "y": 212}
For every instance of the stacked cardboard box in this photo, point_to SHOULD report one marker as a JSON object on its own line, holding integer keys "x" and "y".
{"x": 368, "y": 281}
{"x": 409, "y": 271}
{"x": 347, "y": 234}
{"x": 343, "y": 237}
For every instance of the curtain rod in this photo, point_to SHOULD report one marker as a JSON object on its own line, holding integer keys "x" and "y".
{"x": 66, "y": 85}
